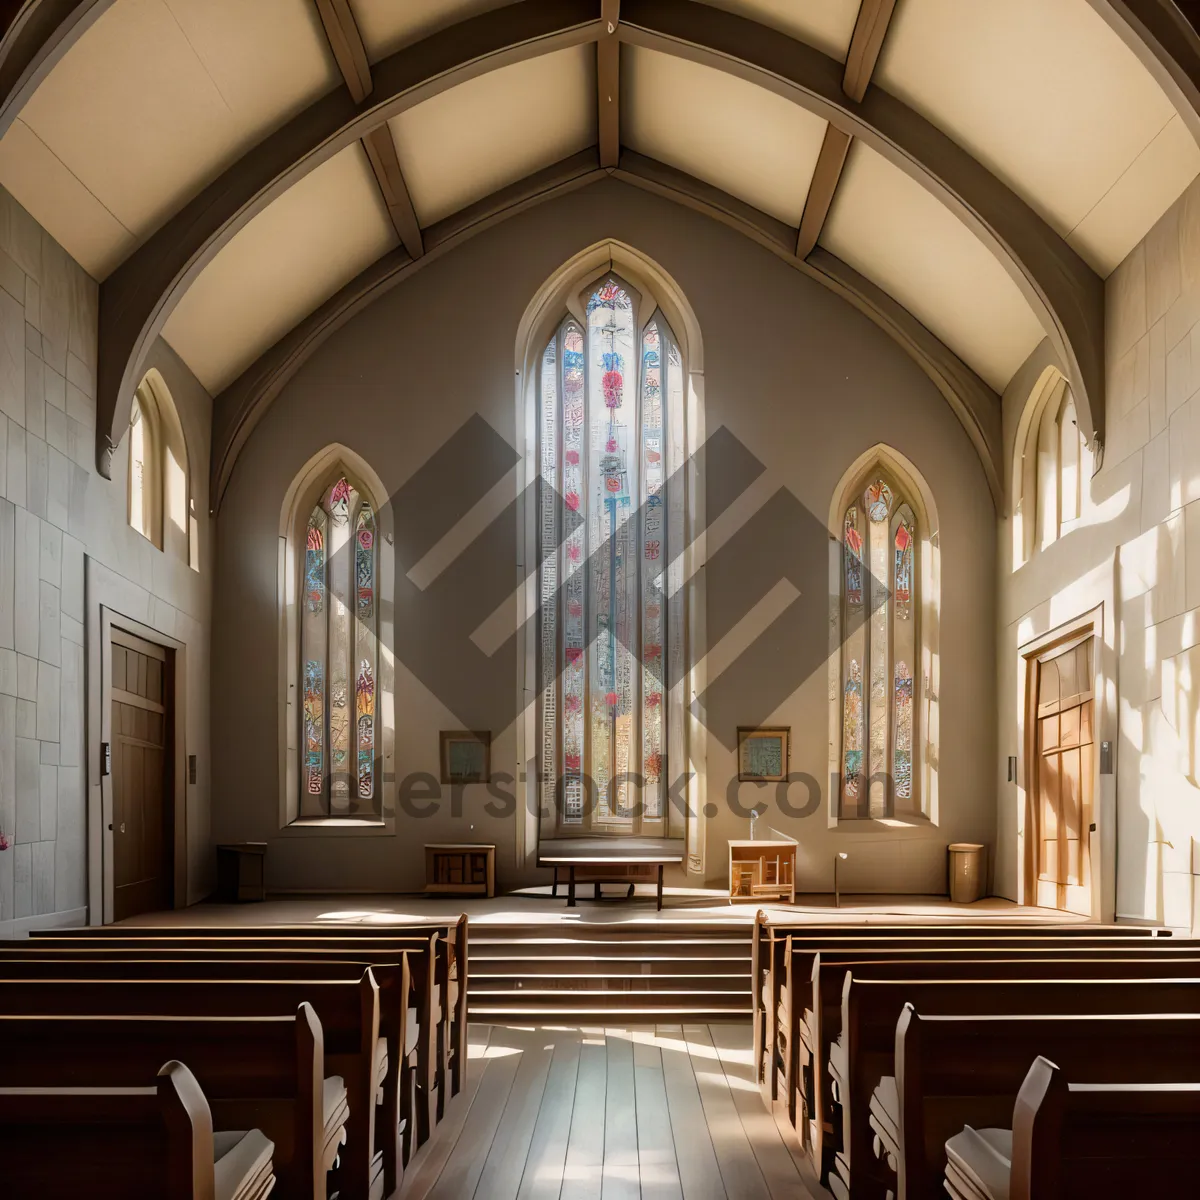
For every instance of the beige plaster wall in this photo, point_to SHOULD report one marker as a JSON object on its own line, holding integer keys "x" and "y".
{"x": 55, "y": 511}
{"x": 804, "y": 381}
{"x": 1138, "y": 553}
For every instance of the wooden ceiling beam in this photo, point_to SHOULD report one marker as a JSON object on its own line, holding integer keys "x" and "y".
{"x": 349, "y": 52}
{"x": 137, "y": 299}
{"x": 826, "y": 175}
{"x": 1066, "y": 295}
{"x": 139, "y": 296}
{"x": 381, "y": 152}
{"x": 608, "y": 83}
{"x": 874, "y": 17}
{"x": 241, "y": 406}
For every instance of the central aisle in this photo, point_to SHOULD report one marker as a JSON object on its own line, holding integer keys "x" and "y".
{"x": 611, "y": 1113}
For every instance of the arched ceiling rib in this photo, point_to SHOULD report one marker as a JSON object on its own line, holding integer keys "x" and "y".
{"x": 791, "y": 72}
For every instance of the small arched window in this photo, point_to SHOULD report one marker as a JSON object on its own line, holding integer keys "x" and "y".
{"x": 1051, "y": 471}
{"x": 880, "y": 651}
{"x": 143, "y": 484}
{"x": 338, "y": 637}
{"x": 160, "y": 504}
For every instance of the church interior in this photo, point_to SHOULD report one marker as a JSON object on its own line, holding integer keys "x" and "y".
{"x": 599, "y": 598}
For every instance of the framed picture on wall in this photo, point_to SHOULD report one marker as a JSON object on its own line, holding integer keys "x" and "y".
{"x": 466, "y": 756}
{"x": 763, "y": 753}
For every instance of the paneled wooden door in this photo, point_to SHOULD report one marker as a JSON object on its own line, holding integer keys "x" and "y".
{"x": 142, "y": 785}
{"x": 1063, "y": 776}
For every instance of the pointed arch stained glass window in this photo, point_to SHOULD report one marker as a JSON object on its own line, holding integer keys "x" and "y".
{"x": 338, "y": 655}
{"x": 880, "y": 607}
{"x": 610, "y": 437}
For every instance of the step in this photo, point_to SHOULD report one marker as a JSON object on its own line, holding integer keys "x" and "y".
{"x": 653, "y": 963}
{"x": 529, "y": 947}
{"x": 738, "y": 985}
{"x": 499, "y": 1015}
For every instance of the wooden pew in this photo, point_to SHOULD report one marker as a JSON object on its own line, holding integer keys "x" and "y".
{"x": 769, "y": 953}
{"x": 155, "y": 1143}
{"x": 422, "y": 948}
{"x": 347, "y": 1010}
{"x": 398, "y": 1028}
{"x": 419, "y": 1075}
{"x": 871, "y": 1009}
{"x": 1081, "y": 1139}
{"x": 799, "y": 1020}
{"x": 955, "y": 1070}
{"x": 257, "y": 1073}
{"x": 812, "y": 1030}
{"x": 450, "y": 980}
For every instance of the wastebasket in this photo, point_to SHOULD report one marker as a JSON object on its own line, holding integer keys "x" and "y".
{"x": 968, "y": 872}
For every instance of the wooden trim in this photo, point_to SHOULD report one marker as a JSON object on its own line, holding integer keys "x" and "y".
{"x": 381, "y": 152}
{"x": 608, "y": 84}
{"x": 137, "y": 299}
{"x": 346, "y": 42}
{"x": 826, "y": 175}
{"x": 117, "y": 696}
{"x": 871, "y": 27}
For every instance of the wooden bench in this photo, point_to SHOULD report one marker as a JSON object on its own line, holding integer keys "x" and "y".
{"x": 450, "y": 979}
{"x": 421, "y": 1070}
{"x": 155, "y": 1143}
{"x": 871, "y": 1010}
{"x": 791, "y": 1038}
{"x": 770, "y": 955}
{"x": 348, "y": 1011}
{"x": 396, "y": 1126}
{"x": 1080, "y": 1139}
{"x": 960, "y": 1070}
{"x": 813, "y": 1028}
{"x": 256, "y": 1072}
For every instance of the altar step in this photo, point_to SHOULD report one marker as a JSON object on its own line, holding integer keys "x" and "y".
{"x": 634, "y": 973}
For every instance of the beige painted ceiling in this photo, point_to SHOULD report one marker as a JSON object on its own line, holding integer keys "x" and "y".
{"x": 470, "y": 140}
{"x": 730, "y": 133}
{"x": 1046, "y": 95}
{"x": 159, "y": 96}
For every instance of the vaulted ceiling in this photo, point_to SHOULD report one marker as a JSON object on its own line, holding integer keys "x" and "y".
{"x": 234, "y": 174}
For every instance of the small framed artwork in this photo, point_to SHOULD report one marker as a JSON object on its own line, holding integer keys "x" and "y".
{"x": 466, "y": 756}
{"x": 763, "y": 753}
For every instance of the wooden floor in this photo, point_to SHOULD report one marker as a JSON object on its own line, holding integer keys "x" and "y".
{"x": 613, "y": 1114}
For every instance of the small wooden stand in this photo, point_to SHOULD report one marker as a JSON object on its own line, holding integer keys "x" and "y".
{"x": 242, "y": 872}
{"x": 458, "y": 869}
{"x": 762, "y": 871}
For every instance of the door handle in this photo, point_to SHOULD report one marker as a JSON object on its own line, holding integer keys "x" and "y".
{"x": 122, "y": 826}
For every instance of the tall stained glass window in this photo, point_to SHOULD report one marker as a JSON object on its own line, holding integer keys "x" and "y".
{"x": 611, "y": 445}
{"x": 339, "y": 606}
{"x": 879, "y": 667}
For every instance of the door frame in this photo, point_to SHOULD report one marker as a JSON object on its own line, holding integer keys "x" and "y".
{"x": 1101, "y": 843}
{"x": 101, "y": 874}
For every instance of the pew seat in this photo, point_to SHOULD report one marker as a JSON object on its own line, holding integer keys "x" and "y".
{"x": 979, "y": 1163}
{"x": 242, "y": 1166}
{"x": 155, "y": 1143}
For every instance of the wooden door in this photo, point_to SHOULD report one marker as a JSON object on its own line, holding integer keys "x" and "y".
{"x": 142, "y": 785}
{"x": 1064, "y": 777}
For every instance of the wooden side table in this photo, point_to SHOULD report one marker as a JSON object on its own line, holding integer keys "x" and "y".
{"x": 762, "y": 871}
{"x": 242, "y": 872}
{"x": 461, "y": 869}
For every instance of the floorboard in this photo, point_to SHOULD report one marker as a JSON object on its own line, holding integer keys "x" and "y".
{"x": 624, "y": 1113}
